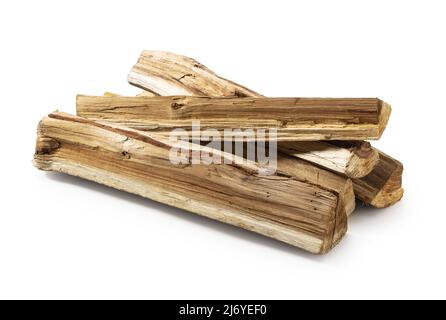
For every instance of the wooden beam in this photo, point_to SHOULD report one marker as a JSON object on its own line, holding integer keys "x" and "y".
{"x": 283, "y": 206}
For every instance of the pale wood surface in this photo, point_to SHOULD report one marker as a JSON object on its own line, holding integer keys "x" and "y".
{"x": 165, "y": 73}
{"x": 354, "y": 159}
{"x": 286, "y": 207}
{"x": 296, "y": 119}
{"x": 305, "y": 170}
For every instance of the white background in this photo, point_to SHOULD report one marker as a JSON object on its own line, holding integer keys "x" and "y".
{"x": 61, "y": 237}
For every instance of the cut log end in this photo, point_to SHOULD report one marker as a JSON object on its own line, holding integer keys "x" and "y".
{"x": 391, "y": 192}
{"x": 363, "y": 160}
{"x": 384, "y": 116}
{"x": 383, "y": 186}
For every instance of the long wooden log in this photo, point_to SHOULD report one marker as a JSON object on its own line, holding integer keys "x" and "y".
{"x": 295, "y": 119}
{"x": 285, "y": 207}
{"x": 381, "y": 189}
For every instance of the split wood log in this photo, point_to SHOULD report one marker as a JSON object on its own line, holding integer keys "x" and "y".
{"x": 286, "y": 207}
{"x": 355, "y": 159}
{"x": 295, "y": 119}
{"x": 334, "y": 153}
{"x": 383, "y": 186}
{"x": 304, "y": 169}
{"x": 168, "y": 74}
{"x": 165, "y": 73}
{"x": 176, "y": 74}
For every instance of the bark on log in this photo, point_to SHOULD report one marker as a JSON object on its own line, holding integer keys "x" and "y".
{"x": 285, "y": 207}
{"x": 296, "y": 119}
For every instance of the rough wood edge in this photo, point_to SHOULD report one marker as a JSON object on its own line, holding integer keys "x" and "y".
{"x": 180, "y": 75}
{"x": 353, "y": 159}
{"x": 387, "y": 193}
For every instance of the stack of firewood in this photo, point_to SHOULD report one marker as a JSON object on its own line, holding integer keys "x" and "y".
{"x": 322, "y": 162}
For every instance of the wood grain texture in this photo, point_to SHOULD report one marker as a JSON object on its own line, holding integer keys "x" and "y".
{"x": 165, "y": 73}
{"x": 296, "y": 119}
{"x": 305, "y": 170}
{"x": 354, "y": 159}
{"x": 351, "y": 158}
{"x": 382, "y": 188}
{"x": 186, "y": 75}
{"x": 285, "y": 207}
{"x": 287, "y": 163}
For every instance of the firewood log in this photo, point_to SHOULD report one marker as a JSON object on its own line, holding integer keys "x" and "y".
{"x": 168, "y": 74}
{"x": 295, "y": 119}
{"x": 291, "y": 206}
{"x": 355, "y": 159}
{"x": 304, "y": 169}
{"x": 165, "y": 73}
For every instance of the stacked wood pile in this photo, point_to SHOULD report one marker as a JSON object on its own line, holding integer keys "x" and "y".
{"x": 323, "y": 161}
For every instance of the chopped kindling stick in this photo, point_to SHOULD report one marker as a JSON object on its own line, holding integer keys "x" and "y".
{"x": 295, "y": 119}
{"x": 290, "y": 206}
{"x": 164, "y": 73}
